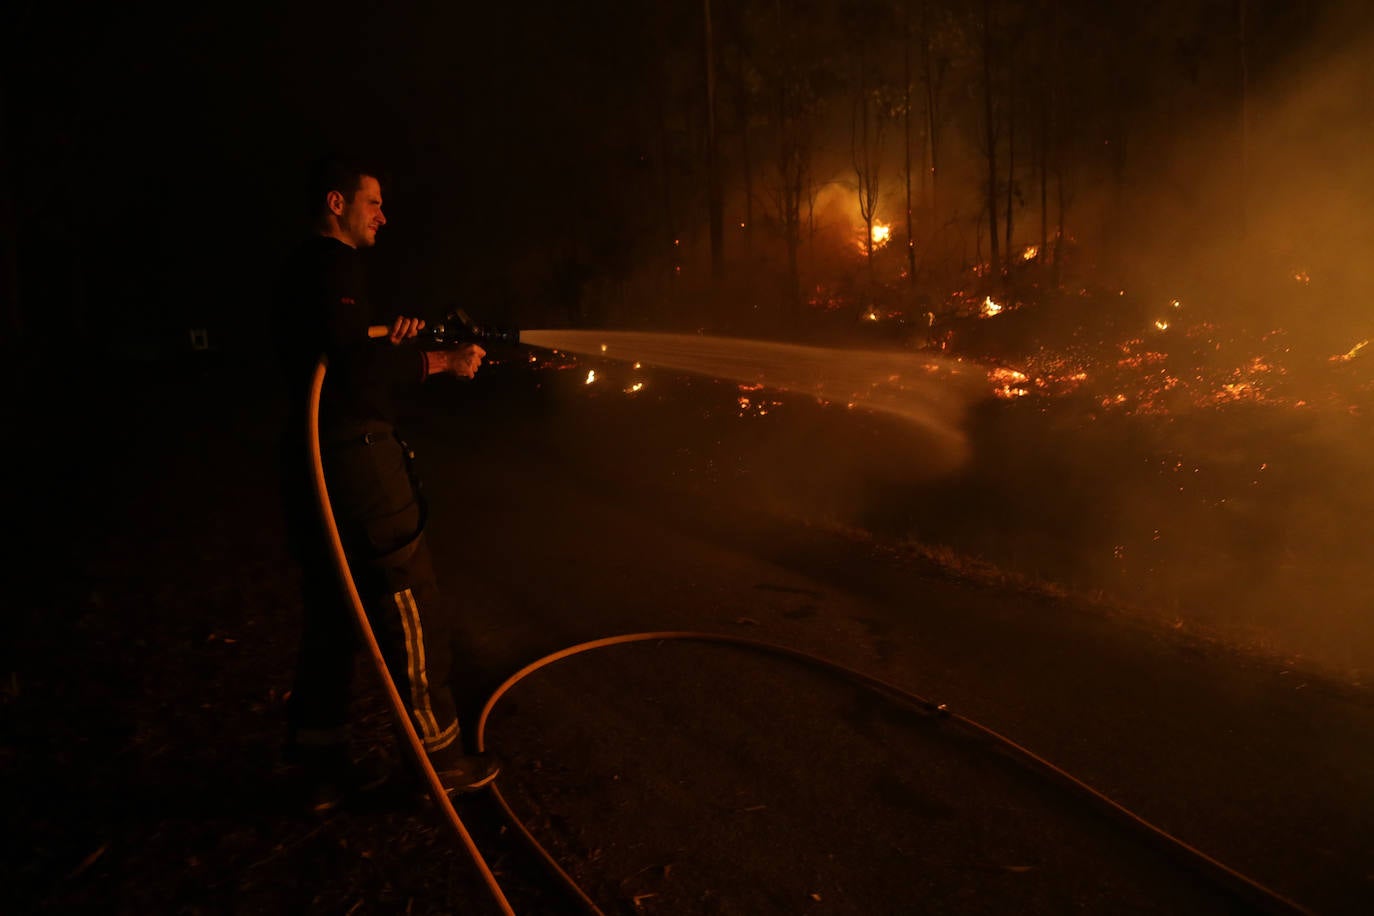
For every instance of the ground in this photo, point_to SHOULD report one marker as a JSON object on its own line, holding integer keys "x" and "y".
{"x": 154, "y": 639}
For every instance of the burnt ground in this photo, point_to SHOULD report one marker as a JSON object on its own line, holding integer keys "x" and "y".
{"x": 152, "y": 644}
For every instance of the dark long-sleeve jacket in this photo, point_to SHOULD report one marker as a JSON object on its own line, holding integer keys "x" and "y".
{"x": 324, "y": 307}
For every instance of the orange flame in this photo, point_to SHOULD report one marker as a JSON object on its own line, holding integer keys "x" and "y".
{"x": 882, "y": 234}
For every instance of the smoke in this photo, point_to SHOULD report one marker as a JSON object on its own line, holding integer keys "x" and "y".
{"x": 1249, "y": 522}
{"x": 1259, "y": 212}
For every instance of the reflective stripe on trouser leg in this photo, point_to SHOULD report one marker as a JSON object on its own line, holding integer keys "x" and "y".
{"x": 421, "y": 708}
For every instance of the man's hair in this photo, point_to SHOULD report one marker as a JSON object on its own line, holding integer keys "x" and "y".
{"x": 332, "y": 173}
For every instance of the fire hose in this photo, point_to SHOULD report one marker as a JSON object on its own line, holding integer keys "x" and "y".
{"x": 1243, "y": 886}
{"x": 398, "y": 707}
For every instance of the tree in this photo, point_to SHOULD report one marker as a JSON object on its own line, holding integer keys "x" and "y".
{"x": 714, "y": 198}
{"x": 871, "y": 109}
{"x": 786, "y": 71}
{"x": 990, "y": 125}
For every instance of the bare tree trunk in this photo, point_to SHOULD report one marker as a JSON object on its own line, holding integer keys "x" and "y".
{"x": 1244, "y": 120}
{"x": 1011, "y": 155}
{"x": 866, "y": 139}
{"x": 906, "y": 134}
{"x": 793, "y": 167}
{"x": 1044, "y": 251}
{"x": 996, "y": 261}
{"x": 932, "y": 115}
{"x": 715, "y": 202}
{"x": 1058, "y": 275}
{"x": 742, "y": 107}
{"x": 1054, "y": 144}
{"x": 811, "y": 191}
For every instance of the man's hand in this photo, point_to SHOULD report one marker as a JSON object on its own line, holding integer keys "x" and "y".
{"x": 403, "y": 328}
{"x": 461, "y": 361}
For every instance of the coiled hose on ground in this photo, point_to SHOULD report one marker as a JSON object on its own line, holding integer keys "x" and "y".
{"x": 1241, "y": 885}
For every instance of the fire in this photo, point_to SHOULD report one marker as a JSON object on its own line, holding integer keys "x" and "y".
{"x": 1162, "y": 325}
{"x": 1030, "y": 253}
{"x": 591, "y": 376}
{"x": 882, "y": 234}
{"x": 1351, "y": 353}
{"x": 1302, "y": 277}
{"x": 1008, "y": 383}
{"x": 990, "y": 307}
{"x": 637, "y": 386}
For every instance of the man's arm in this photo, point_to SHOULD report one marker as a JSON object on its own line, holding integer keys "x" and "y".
{"x": 461, "y": 361}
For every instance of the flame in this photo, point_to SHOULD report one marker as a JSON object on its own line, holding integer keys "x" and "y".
{"x": 1351, "y": 353}
{"x": 1302, "y": 277}
{"x": 1030, "y": 253}
{"x": 1162, "y": 325}
{"x": 990, "y": 307}
{"x": 1008, "y": 383}
{"x": 637, "y": 386}
{"x": 882, "y": 234}
{"x": 591, "y": 376}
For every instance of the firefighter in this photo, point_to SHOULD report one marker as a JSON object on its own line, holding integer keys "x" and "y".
{"x": 324, "y": 308}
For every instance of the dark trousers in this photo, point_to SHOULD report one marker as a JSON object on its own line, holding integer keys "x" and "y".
{"x": 377, "y": 507}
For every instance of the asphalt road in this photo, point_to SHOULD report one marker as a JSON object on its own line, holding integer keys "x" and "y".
{"x": 667, "y": 777}
{"x": 714, "y": 778}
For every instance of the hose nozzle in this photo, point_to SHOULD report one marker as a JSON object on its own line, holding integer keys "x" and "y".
{"x": 457, "y": 327}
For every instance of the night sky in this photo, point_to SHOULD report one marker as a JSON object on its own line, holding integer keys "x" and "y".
{"x": 153, "y": 153}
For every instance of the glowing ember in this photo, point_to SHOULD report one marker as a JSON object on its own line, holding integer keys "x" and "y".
{"x": 757, "y": 408}
{"x": 591, "y": 376}
{"x": 1030, "y": 253}
{"x": 872, "y": 315}
{"x": 990, "y": 307}
{"x": 1302, "y": 277}
{"x": 1351, "y": 353}
{"x": 1162, "y": 325}
{"x": 1008, "y": 383}
{"x": 637, "y": 386}
{"x": 603, "y": 348}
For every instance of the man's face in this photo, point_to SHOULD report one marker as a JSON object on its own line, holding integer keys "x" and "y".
{"x": 362, "y": 216}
